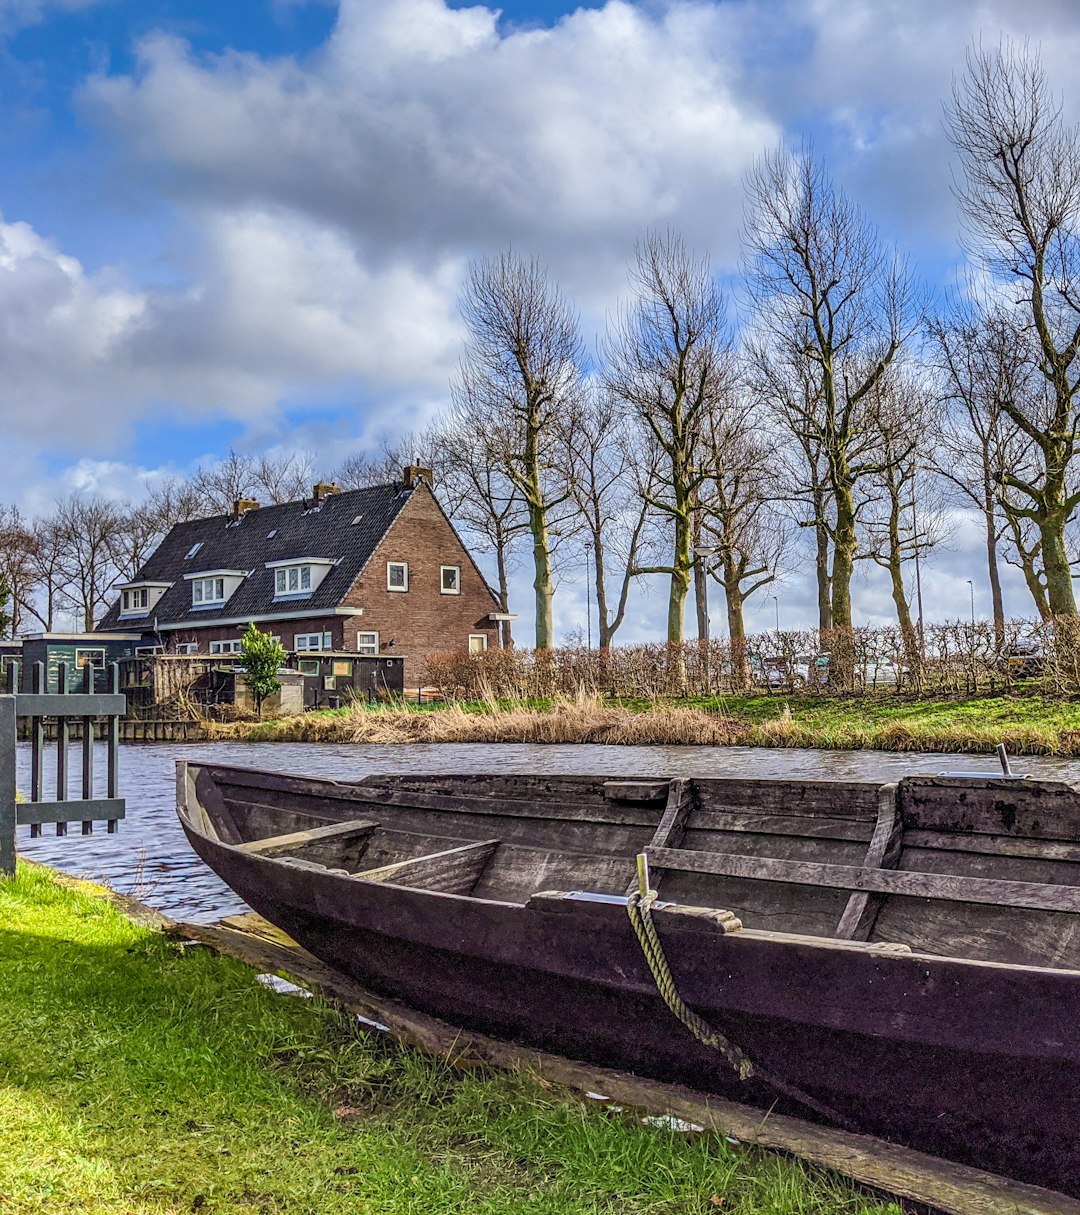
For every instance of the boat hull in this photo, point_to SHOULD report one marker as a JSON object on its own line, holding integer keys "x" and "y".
{"x": 976, "y": 1062}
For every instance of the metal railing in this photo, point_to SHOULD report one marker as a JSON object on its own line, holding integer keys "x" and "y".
{"x": 65, "y": 706}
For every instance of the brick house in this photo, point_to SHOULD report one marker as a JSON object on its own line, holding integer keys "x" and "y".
{"x": 371, "y": 572}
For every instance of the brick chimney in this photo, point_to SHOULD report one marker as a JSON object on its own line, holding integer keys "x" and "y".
{"x": 416, "y": 472}
{"x": 323, "y": 490}
{"x": 241, "y": 506}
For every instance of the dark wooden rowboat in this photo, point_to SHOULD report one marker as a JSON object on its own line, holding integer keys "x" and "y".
{"x": 908, "y": 960}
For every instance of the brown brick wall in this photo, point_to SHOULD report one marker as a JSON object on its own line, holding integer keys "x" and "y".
{"x": 285, "y": 629}
{"x": 422, "y": 620}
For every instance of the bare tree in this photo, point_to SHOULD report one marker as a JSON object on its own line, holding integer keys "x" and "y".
{"x": 90, "y": 531}
{"x": 903, "y": 521}
{"x": 381, "y": 467}
{"x": 1020, "y": 195}
{"x": 18, "y": 565}
{"x": 271, "y": 479}
{"x": 669, "y": 362}
{"x": 480, "y": 498}
{"x": 827, "y": 292}
{"x": 611, "y": 481}
{"x": 740, "y": 521}
{"x": 518, "y": 376}
{"x": 980, "y": 366}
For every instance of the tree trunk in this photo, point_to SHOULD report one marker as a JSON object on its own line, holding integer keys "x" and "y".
{"x": 543, "y": 588}
{"x": 841, "y": 656}
{"x": 740, "y": 660}
{"x": 506, "y": 639}
{"x": 701, "y": 600}
{"x": 1059, "y": 588}
{"x": 996, "y": 600}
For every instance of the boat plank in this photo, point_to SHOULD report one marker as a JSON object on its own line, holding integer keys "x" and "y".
{"x": 453, "y": 871}
{"x": 1039, "y": 809}
{"x": 952, "y": 1188}
{"x": 991, "y": 891}
{"x": 994, "y": 845}
{"x": 277, "y": 845}
{"x": 862, "y": 908}
{"x": 782, "y": 824}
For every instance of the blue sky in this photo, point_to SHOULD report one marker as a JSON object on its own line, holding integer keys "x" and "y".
{"x": 246, "y": 223}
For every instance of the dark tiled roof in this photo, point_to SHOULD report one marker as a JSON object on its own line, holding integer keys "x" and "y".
{"x": 301, "y": 530}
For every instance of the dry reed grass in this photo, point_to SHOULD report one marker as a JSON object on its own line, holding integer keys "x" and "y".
{"x": 577, "y": 720}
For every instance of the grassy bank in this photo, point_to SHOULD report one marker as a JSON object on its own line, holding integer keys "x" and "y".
{"x": 1029, "y": 725}
{"x": 143, "y": 1077}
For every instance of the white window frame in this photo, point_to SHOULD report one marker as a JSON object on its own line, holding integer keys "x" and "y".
{"x": 302, "y": 643}
{"x": 399, "y": 565}
{"x": 83, "y": 659}
{"x": 187, "y": 647}
{"x": 292, "y": 580}
{"x": 368, "y": 648}
{"x": 456, "y": 588}
{"x": 481, "y": 637}
{"x": 229, "y": 646}
{"x": 199, "y": 596}
{"x": 147, "y": 651}
{"x": 137, "y": 599}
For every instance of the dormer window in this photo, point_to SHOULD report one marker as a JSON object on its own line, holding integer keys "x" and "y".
{"x": 208, "y": 590}
{"x": 211, "y": 588}
{"x": 298, "y": 577}
{"x": 138, "y": 598}
{"x": 292, "y": 579}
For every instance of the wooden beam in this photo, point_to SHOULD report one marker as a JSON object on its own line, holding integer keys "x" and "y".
{"x": 952, "y": 1188}
{"x": 99, "y": 809}
{"x": 278, "y": 845}
{"x": 73, "y": 704}
{"x": 1037, "y": 896}
{"x": 636, "y": 790}
{"x": 862, "y": 908}
{"x": 453, "y": 871}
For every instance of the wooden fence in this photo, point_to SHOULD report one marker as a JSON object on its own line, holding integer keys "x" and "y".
{"x": 39, "y": 706}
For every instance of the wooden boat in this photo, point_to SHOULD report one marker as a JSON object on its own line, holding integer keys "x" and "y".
{"x": 905, "y": 961}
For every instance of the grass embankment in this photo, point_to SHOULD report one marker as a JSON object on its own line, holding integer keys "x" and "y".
{"x": 144, "y": 1077}
{"x": 1029, "y": 725}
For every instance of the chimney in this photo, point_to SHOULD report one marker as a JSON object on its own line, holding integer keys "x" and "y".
{"x": 416, "y": 472}
{"x": 323, "y": 490}
{"x": 241, "y": 507}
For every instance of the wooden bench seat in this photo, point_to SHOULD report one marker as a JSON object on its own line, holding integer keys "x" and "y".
{"x": 299, "y": 841}
{"x": 993, "y": 891}
{"x": 452, "y": 871}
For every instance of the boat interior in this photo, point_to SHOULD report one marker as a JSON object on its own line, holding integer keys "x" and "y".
{"x": 966, "y": 866}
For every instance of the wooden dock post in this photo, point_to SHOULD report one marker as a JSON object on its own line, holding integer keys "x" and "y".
{"x": 64, "y": 706}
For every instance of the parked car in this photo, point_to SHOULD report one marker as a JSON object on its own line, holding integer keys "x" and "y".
{"x": 1024, "y": 660}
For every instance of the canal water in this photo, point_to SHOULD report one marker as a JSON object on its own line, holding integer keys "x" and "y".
{"x": 149, "y": 856}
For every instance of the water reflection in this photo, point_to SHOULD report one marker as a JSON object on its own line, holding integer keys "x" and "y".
{"x": 150, "y": 858}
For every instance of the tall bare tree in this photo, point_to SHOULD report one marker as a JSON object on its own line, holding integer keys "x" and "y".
{"x": 740, "y": 521}
{"x": 273, "y": 479}
{"x": 90, "y": 530}
{"x": 612, "y": 478}
{"x": 831, "y": 298}
{"x": 518, "y": 377}
{"x": 980, "y": 366}
{"x": 669, "y": 361}
{"x": 480, "y": 499}
{"x": 18, "y": 565}
{"x": 1020, "y": 196}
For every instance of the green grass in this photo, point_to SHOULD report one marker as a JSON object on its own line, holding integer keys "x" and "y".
{"x": 1028, "y": 723}
{"x": 141, "y": 1076}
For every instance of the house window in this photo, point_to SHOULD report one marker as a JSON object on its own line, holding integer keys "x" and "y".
{"x": 146, "y": 651}
{"x": 292, "y": 580}
{"x": 312, "y": 641}
{"x": 308, "y": 666}
{"x": 89, "y": 658}
{"x": 450, "y": 579}
{"x": 341, "y": 666}
{"x": 193, "y": 550}
{"x": 478, "y": 643}
{"x": 208, "y": 590}
{"x": 367, "y": 643}
{"x": 226, "y": 647}
{"x": 137, "y": 600}
{"x": 397, "y": 576}
{"x": 187, "y": 647}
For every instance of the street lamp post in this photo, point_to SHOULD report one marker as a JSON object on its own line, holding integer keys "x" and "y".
{"x": 971, "y": 590}
{"x": 776, "y": 605}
